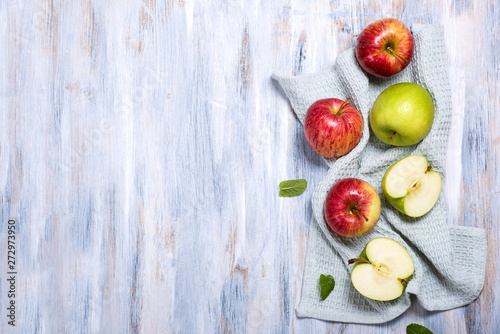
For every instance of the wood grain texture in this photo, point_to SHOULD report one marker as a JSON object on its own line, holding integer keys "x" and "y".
{"x": 142, "y": 144}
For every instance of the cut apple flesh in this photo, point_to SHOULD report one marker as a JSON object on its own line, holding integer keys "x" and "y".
{"x": 384, "y": 278}
{"x": 391, "y": 255}
{"x": 421, "y": 201}
{"x": 374, "y": 285}
{"x": 410, "y": 178}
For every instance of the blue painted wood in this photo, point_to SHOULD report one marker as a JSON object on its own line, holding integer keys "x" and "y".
{"x": 142, "y": 144}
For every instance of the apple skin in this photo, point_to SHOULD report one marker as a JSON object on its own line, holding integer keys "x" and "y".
{"x": 332, "y": 127}
{"x": 397, "y": 203}
{"x": 402, "y": 114}
{"x": 384, "y": 48}
{"x": 352, "y": 207}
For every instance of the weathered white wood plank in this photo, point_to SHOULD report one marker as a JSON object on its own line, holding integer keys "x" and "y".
{"x": 142, "y": 144}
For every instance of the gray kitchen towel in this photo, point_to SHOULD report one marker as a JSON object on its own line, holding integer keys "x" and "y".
{"x": 450, "y": 261}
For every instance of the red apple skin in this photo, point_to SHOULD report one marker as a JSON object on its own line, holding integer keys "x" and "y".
{"x": 330, "y": 130}
{"x": 352, "y": 207}
{"x": 372, "y": 48}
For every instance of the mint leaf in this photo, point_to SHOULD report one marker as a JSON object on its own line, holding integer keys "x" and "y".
{"x": 292, "y": 188}
{"x": 417, "y": 329}
{"x": 327, "y": 283}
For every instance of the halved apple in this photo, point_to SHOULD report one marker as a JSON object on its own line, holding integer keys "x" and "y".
{"x": 411, "y": 186}
{"x": 382, "y": 270}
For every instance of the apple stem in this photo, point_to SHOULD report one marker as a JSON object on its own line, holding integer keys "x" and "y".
{"x": 357, "y": 212}
{"x": 351, "y": 261}
{"x": 429, "y": 168}
{"x": 342, "y": 106}
{"x": 395, "y": 54}
{"x": 391, "y": 136}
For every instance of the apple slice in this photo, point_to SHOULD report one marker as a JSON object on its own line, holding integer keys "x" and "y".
{"x": 411, "y": 186}
{"x": 382, "y": 270}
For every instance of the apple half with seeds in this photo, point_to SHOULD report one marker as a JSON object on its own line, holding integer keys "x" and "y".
{"x": 411, "y": 186}
{"x": 383, "y": 270}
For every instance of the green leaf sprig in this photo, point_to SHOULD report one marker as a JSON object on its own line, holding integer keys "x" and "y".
{"x": 292, "y": 188}
{"x": 327, "y": 283}
{"x": 417, "y": 329}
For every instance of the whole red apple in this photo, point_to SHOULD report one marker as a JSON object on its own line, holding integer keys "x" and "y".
{"x": 332, "y": 127}
{"x": 384, "y": 48}
{"x": 352, "y": 207}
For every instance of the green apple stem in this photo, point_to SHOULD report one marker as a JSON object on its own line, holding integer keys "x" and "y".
{"x": 395, "y": 54}
{"x": 351, "y": 261}
{"x": 429, "y": 168}
{"x": 342, "y": 106}
{"x": 392, "y": 136}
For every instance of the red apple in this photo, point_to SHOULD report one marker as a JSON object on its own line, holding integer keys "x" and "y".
{"x": 332, "y": 127}
{"x": 352, "y": 207}
{"x": 384, "y": 48}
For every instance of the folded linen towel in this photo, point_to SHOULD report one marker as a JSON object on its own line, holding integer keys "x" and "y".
{"x": 450, "y": 261}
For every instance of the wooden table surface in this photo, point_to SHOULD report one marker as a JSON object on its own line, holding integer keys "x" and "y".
{"x": 142, "y": 144}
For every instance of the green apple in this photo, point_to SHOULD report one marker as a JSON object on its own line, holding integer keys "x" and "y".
{"x": 411, "y": 186}
{"x": 382, "y": 270}
{"x": 402, "y": 114}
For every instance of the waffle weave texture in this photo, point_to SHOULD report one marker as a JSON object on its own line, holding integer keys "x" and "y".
{"x": 450, "y": 261}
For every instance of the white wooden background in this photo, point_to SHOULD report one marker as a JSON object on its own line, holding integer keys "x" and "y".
{"x": 142, "y": 144}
